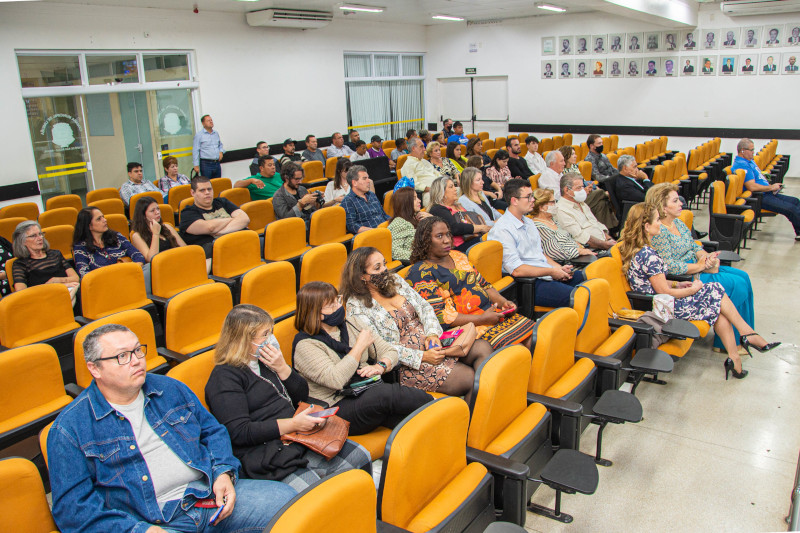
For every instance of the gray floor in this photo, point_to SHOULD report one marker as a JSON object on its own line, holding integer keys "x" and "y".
{"x": 710, "y": 455}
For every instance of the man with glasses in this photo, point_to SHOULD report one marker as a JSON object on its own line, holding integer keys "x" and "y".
{"x": 293, "y": 200}
{"x": 522, "y": 249}
{"x": 755, "y": 181}
{"x": 138, "y": 452}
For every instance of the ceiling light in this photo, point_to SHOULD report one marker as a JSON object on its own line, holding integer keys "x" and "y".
{"x": 365, "y": 9}
{"x": 549, "y": 7}
{"x": 448, "y": 17}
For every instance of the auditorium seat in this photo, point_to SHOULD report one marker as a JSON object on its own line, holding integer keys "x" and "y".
{"x": 155, "y": 195}
{"x": 285, "y": 240}
{"x": 107, "y": 193}
{"x": 64, "y": 200}
{"x": 323, "y": 263}
{"x": 237, "y": 195}
{"x": 272, "y": 288}
{"x": 22, "y": 491}
{"x": 195, "y": 316}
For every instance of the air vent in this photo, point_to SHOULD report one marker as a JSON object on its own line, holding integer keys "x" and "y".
{"x": 289, "y": 18}
{"x": 759, "y": 7}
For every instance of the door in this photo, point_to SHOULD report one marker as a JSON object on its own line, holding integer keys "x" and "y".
{"x": 455, "y": 101}
{"x": 480, "y": 103}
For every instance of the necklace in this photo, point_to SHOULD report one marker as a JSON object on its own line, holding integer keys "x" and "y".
{"x": 283, "y": 393}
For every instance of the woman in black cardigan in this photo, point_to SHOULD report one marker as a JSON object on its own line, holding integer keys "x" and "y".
{"x": 444, "y": 204}
{"x": 254, "y": 394}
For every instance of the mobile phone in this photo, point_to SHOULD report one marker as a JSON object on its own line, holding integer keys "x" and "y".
{"x": 508, "y": 311}
{"x": 325, "y": 413}
{"x": 215, "y": 515}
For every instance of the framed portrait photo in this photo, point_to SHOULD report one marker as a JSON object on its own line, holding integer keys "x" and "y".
{"x": 688, "y": 40}
{"x": 600, "y": 44}
{"x": 688, "y": 66}
{"x": 582, "y": 44}
{"x": 670, "y": 65}
{"x": 670, "y": 40}
{"x": 565, "y": 45}
{"x": 653, "y": 41}
{"x": 616, "y": 43}
{"x": 565, "y": 67}
{"x": 748, "y": 65}
{"x": 792, "y": 34}
{"x": 750, "y": 37}
{"x": 614, "y": 67}
{"x": 769, "y": 64}
{"x": 727, "y": 65}
{"x": 789, "y": 63}
{"x": 634, "y": 43}
{"x": 709, "y": 39}
{"x": 729, "y": 37}
{"x": 549, "y": 69}
{"x": 548, "y": 46}
{"x": 599, "y": 67}
{"x": 633, "y": 67}
{"x": 651, "y": 67}
{"x": 708, "y": 65}
{"x": 582, "y": 69}
{"x": 771, "y": 36}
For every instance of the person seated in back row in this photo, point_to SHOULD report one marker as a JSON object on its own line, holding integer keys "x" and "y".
{"x": 574, "y": 215}
{"x": 136, "y": 184}
{"x": 209, "y": 217}
{"x": 293, "y": 200}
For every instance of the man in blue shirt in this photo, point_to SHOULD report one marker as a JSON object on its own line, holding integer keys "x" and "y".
{"x": 207, "y": 150}
{"x": 137, "y": 452}
{"x": 754, "y": 181}
{"x": 522, "y": 249}
{"x": 362, "y": 208}
{"x": 458, "y": 135}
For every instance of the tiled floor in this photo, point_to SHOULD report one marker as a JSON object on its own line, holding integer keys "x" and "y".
{"x": 710, "y": 455}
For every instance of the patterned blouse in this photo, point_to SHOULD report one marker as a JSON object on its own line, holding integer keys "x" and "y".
{"x": 677, "y": 251}
{"x": 402, "y": 238}
{"x": 557, "y": 244}
{"x": 165, "y": 183}
{"x": 384, "y": 326}
{"x": 499, "y": 176}
{"x": 447, "y": 168}
{"x": 86, "y": 261}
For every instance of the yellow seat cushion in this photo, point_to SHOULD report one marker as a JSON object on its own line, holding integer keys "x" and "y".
{"x": 614, "y": 342}
{"x": 517, "y": 430}
{"x": 45, "y": 334}
{"x": 449, "y": 498}
{"x": 374, "y": 441}
{"x": 748, "y": 215}
{"x": 33, "y": 414}
{"x": 205, "y": 342}
{"x": 570, "y": 379}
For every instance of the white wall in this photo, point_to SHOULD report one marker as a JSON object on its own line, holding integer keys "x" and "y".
{"x": 258, "y": 83}
{"x": 513, "y": 48}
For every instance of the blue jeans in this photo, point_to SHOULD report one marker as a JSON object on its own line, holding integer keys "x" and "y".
{"x": 257, "y": 501}
{"x": 788, "y": 206}
{"x": 210, "y": 169}
{"x": 551, "y": 293}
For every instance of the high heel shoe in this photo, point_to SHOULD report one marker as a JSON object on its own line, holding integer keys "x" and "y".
{"x": 729, "y": 367}
{"x": 746, "y": 344}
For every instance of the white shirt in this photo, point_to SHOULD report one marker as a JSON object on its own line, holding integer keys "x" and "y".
{"x": 339, "y": 152}
{"x": 579, "y": 221}
{"x": 332, "y": 194}
{"x": 535, "y": 162}
{"x": 550, "y": 179}
{"x": 356, "y": 157}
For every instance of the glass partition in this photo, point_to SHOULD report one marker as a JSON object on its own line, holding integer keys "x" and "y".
{"x": 49, "y": 71}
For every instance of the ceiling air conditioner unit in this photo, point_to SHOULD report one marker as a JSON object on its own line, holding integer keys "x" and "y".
{"x": 736, "y": 8}
{"x": 289, "y": 18}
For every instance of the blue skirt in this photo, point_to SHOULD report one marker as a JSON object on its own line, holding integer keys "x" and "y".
{"x": 739, "y": 289}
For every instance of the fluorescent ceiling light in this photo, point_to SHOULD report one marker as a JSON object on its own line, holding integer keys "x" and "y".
{"x": 447, "y": 17}
{"x": 548, "y": 7}
{"x": 366, "y": 9}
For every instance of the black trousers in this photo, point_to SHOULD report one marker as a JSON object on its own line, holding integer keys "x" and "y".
{"x": 384, "y": 405}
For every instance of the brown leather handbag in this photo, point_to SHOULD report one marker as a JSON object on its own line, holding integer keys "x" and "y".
{"x": 326, "y": 440}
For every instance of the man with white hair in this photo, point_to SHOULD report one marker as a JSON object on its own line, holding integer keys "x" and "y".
{"x": 138, "y": 452}
{"x": 551, "y": 176}
{"x": 574, "y": 215}
{"x": 419, "y": 169}
{"x": 631, "y": 184}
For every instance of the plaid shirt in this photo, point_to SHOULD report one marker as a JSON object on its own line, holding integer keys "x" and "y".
{"x": 363, "y": 212}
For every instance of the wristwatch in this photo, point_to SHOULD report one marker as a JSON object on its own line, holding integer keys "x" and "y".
{"x": 385, "y": 368}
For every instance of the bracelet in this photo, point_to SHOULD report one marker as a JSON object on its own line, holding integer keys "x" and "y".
{"x": 385, "y": 367}
{"x": 674, "y": 284}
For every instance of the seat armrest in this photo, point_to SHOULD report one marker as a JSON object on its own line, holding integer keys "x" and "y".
{"x": 737, "y": 209}
{"x": 73, "y": 389}
{"x": 728, "y": 217}
{"x": 230, "y": 282}
{"x": 638, "y": 327}
{"x": 498, "y": 465}
{"x": 522, "y": 279}
{"x": 710, "y": 246}
{"x": 82, "y": 320}
{"x": 158, "y": 300}
{"x": 679, "y": 277}
{"x": 600, "y": 361}
{"x": 564, "y": 407}
{"x": 640, "y": 300}
{"x": 386, "y": 527}
{"x": 171, "y": 355}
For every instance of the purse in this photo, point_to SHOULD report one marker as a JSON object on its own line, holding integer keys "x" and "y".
{"x": 463, "y": 343}
{"x": 326, "y": 440}
{"x": 357, "y": 386}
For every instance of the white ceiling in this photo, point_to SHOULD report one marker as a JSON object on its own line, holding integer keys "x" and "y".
{"x": 402, "y": 11}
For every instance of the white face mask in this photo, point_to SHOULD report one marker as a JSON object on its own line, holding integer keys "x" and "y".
{"x": 270, "y": 340}
{"x": 580, "y": 196}
{"x": 552, "y": 209}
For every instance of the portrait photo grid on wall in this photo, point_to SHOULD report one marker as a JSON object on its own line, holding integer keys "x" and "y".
{"x": 599, "y": 50}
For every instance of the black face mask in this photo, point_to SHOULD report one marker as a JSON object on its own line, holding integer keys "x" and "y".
{"x": 383, "y": 282}
{"x": 334, "y": 319}
{"x": 599, "y": 149}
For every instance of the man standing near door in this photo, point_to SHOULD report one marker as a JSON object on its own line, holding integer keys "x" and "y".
{"x": 207, "y": 150}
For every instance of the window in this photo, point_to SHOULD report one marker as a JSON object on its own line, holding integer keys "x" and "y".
{"x": 385, "y": 93}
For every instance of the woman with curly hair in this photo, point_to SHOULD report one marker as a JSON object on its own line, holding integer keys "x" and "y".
{"x": 458, "y": 293}
{"x": 694, "y": 300}
{"x": 398, "y": 315}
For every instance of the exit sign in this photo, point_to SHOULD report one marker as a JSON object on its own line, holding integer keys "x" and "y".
{"x": 470, "y": 70}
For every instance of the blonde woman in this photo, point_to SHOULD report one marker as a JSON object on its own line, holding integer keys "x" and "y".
{"x": 254, "y": 394}
{"x": 443, "y": 165}
{"x": 444, "y": 204}
{"x": 694, "y": 300}
{"x": 473, "y": 199}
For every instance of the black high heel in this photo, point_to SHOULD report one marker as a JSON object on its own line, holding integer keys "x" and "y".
{"x": 747, "y": 345}
{"x": 729, "y": 367}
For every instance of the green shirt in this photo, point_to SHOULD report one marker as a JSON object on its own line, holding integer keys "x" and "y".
{"x": 270, "y": 186}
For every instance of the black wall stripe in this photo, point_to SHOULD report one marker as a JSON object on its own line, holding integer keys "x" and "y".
{"x": 657, "y": 131}
{"x": 19, "y": 190}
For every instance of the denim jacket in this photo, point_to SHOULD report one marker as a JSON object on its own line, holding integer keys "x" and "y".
{"x": 100, "y": 480}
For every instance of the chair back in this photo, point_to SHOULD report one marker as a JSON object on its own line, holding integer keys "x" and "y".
{"x": 487, "y": 257}
{"x": 112, "y": 289}
{"x": 483, "y": 135}
{"x": 118, "y": 223}
{"x": 194, "y": 373}
{"x": 107, "y": 193}
{"x": 400, "y": 162}
{"x": 138, "y": 321}
{"x": 186, "y": 202}
{"x": 167, "y": 214}
{"x": 261, "y": 214}
{"x": 330, "y": 167}
{"x": 500, "y": 143}
{"x": 237, "y": 195}
{"x": 610, "y": 269}
{"x": 64, "y": 200}
{"x": 195, "y": 316}
{"x": 220, "y": 184}
{"x": 155, "y": 195}
{"x": 554, "y": 352}
{"x": 687, "y": 217}
{"x": 236, "y": 253}
{"x": 109, "y": 206}
{"x": 43, "y": 442}
{"x": 8, "y": 225}
{"x": 328, "y": 225}
{"x": 9, "y": 270}
{"x": 323, "y": 263}
{"x": 585, "y": 168}
{"x": 380, "y": 238}
{"x": 388, "y": 203}
{"x": 285, "y": 332}
{"x": 717, "y": 202}
{"x": 558, "y": 142}
{"x": 313, "y": 171}
{"x": 59, "y": 216}
{"x": 280, "y": 280}
{"x": 26, "y": 210}
{"x": 177, "y": 194}
{"x": 285, "y": 239}
{"x": 318, "y": 509}
{"x": 590, "y": 300}
{"x": 35, "y": 314}
{"x": 178, "y": 269}
{"x": 22, "y": 491}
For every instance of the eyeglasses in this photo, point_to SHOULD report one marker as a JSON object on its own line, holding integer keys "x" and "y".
{"x": 35, "y": 235}
{"x": 123, "y": 358}
{"x": 528, "y": 197}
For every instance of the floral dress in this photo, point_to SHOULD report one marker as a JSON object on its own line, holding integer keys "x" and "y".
{"x": 447, "y": 168}
{"x": 703, "y": 305}
{"x": 464, "y": 291}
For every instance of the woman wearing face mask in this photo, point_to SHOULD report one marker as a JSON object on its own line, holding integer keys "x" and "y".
{"x": 401, "y": 317}
{"x": 254, "y": 394}
{"x": 333, "y": 350}
{"x": 557, "y": 244}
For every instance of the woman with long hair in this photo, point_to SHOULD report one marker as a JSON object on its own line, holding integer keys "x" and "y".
{"x": 475, "y": 147}
{"x": 444, "y": 204}
{"x": 149, "y": 234}
{"x": 570, "y": 159}
{"x": 455, "y": 153}
{"x": 458, "y": 293}
{"x": 94, "y": 245}
{"x": 255, "y": 395}
{"x": 334, "y": 350}
{"x": 337, "y": 188}
{"x": 399, "y": 316}
{"x": 498, "y": 170}
{"x": 694, "y": 300}
{"x": 403, "y": 224}
{"x": 473, "y": 199}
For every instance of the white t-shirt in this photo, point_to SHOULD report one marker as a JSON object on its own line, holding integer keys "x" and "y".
{"x": 535, "y": 162}
{"x": 168, "y": 473}
{"x": 332, "y": 194}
